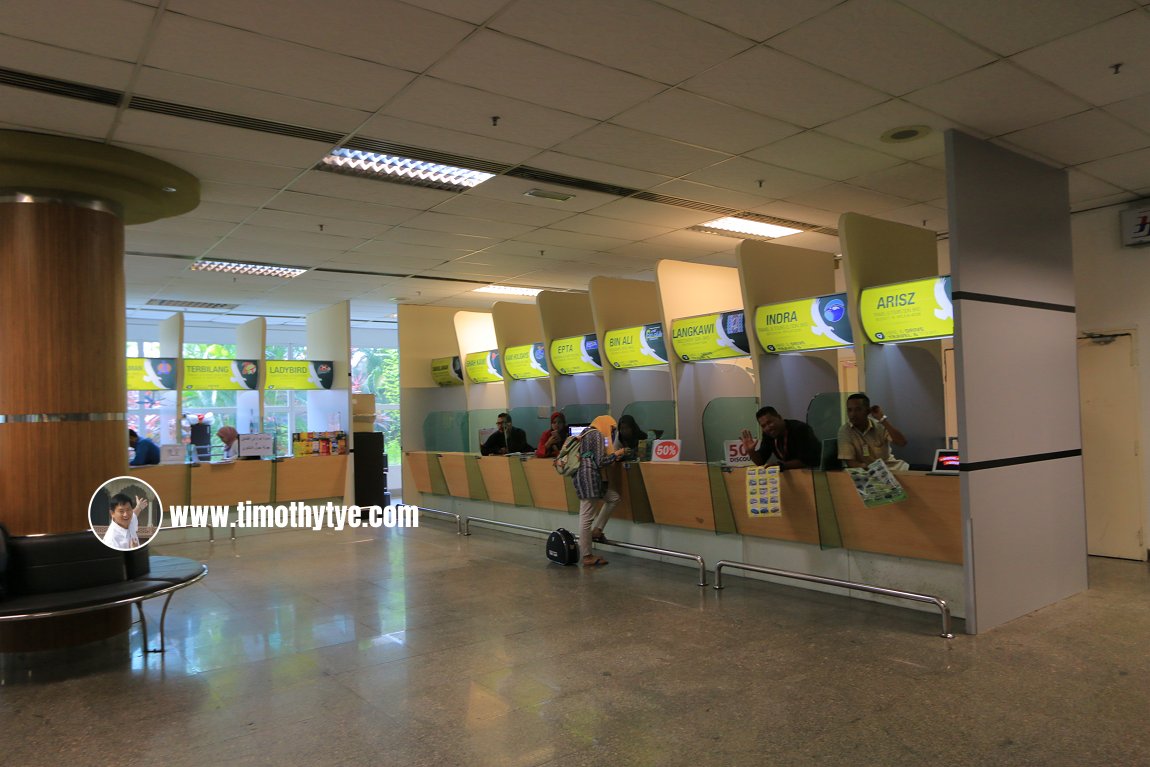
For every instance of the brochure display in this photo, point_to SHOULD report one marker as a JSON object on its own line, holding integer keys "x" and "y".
{"x": 763, "y": 492}
{"x": 876, "y": 485}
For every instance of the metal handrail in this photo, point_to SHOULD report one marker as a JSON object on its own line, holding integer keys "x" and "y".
{"x": 495, "y": 522}
{"x": 458, "y": 519}
{"x": 938, "y": 602}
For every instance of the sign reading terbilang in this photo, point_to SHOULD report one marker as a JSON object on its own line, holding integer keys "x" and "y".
{"x": 446, "y": 371}
{"x": 299, "y": 374}
{"x": 578, "y": 354}
{"x": 528, "y": 361}
{"x": 806, "y": 325}
{"x": 484, "y": 367}
{"x": 221, "y": 375}
{"x": 151, "y": 373}
{"x": 636, "y": 347}
{"x": 711, "y": 336}
{"x": 908, "y": 311}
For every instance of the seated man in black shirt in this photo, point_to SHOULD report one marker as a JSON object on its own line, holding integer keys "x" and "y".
{"x": 791, "y": 444}
{"x": 507, "y": 439}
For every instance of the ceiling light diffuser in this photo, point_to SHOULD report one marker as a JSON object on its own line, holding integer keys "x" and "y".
{"x": 248, "y": 268}
{"x": 508, "y": 290}
{"x": 401, "y": 170}
{"x": 746, "y": 227}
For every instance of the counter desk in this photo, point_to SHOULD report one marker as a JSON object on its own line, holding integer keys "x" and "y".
{"x": 303, "y": 478}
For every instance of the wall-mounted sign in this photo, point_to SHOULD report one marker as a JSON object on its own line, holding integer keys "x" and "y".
{"x": 446, "y": 371}
{"x": 908, "y": 311}
{"x": 299, "y": 374}
{"x": 151, "y": 373}
{"x": 711, "y": 336}
{"x": 523, "y": 362}
{"x": 636, "y": 347}
{"x": 1135, "y": 226}
{"x": 806, "y": 325}
{"x": 484, "y": 367}
{"x": 578, "y": 354}
{"x": 221, "y": 375}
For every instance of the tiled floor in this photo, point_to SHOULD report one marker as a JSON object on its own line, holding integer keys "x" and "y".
{"x": 423, "y": 648}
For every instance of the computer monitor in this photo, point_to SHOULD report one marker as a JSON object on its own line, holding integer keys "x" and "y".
{"x": 945, "y": 462}
{"x": 578, "y": 428}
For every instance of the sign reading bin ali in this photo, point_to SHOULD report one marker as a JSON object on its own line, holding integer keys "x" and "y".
{"x": 484, "y": 367}
{"x": 636, "y": 347}
{"x": 446, "y": 371}
{"x": 711, "y": 336}
{"x": 221, "y": 375}
{"x": 151, "y": 373}
{"x": 578, "y": 354}
{"x": 528, "y": 361}
{"x": 806, "y": 325}
{"x": 299, "y": 374}
{"x": 908, "y": 311}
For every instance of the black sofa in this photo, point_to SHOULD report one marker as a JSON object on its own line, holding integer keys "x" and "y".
{"x": 43, "y": 576}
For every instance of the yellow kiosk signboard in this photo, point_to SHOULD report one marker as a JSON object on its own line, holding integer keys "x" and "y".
{"x": 636, "y": 347}
{"x": 711, "y": 336}
{"x": 299, "y": 374}
{"x": 528, "y": 361}
{"x": 484, "y": 367}
{"x": 806, "y": 325}
{"x": 578, "y": 354}
{"x": 446, "y": 371}
{"x": 221, "y": 375}
{"x": 918, "y": 310}
{"x": 151, "y": 373}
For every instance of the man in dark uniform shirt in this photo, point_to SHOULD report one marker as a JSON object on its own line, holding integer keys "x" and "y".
{"x": 791, "y": 444}
{"x": 507, "y": 439}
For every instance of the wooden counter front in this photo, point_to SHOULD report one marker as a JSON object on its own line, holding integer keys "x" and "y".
{"x": 169, "y": 481}
{"x": 226, "y": 484}
{"x": 680, "y": 494}
{"x": 548, "y": 488}
{"x": 418, "y": 463}
{"x": 927, "y": 525}
{"x": 309, "y": 478}
{"x": 799, "y": 521}
{"x": 496, "y": 471}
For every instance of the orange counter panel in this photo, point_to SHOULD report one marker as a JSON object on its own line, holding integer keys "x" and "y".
{"x": 496, "y": 471}
{"x": 548, "y": 489}
{"x": 169, "y": 481}
{"x": 680, "y": 494}
{"x": 305, "y": 479}
{"x": 799, "y": 521}
{"x": 418, "y": 464}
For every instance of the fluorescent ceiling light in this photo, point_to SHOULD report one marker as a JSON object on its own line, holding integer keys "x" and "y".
{"x": 402, "y": 170}
{"x": 249, "y": 268}
{"x": 189, "y": 304}
{"x": 731, "y": 226}
{"x": 508, "y": 290}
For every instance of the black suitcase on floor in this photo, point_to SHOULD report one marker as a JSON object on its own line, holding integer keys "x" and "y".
{"x": 562, "y": 548}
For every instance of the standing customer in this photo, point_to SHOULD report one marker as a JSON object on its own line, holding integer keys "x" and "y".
{"x": 591, "y": 484}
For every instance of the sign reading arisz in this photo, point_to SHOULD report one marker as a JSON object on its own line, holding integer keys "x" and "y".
{"x": 908, "y": 311}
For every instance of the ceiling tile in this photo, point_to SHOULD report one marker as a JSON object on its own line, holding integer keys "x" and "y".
{"x": 575, "y": 240}
{"x": 496, "y": 62}
{"x": 1085, "y": 188}
{"x": 867, "y": 127}
{"x": 218, "y": 211}
{"x": 294, "y": 237}
{"x": 227, "y": 170}
{"x": 340, "y": 209}
{"x": 151, "y": 242}
{"x": 1081, "y": 62}
{"x": 693, "y": 119}
{"x": 30, "y": 110}
{"x": 475, "y": 11}
{"x": 670, "y": 216}
{"x": 399, "y": 131}
{"x": 394, "y": 263}
{"x": 1007, "y": 28}
{"x": 510, "y": 189}
{"x": 249, "y": 102}
{"x": 498, "y": 210}
{"x": 415, "y": 38}
{"x": 441, "y": 222}
{"x": 699, "y": 242}
{"x": 1129, "y": 171}
{"x": 609, "y": 227}
{"x": 633, "y": 149}
{"x": 114, "y": 29}
{"x": 1135, "y": 111}
{"x": 820, "y": 155}
{"x": 470, "y": 110}
{"x": 909, "y": 180}
{"x": 713, "y": 195}
{"x": 215, "y": 52}
{"x": 424, "y": 238}
{"x": 760, "y": 179}
{"x": 775, "y": 84}
{"x": 369, "y": 190}
{"x": 654, "y": 251}
{"x": 235, "y": 194}
{"x": 266, "y": 252}
{"x": 922, "y": 216}
{"x": 633, "y": 35}
{"x": 813, "y": 240}
{"x": 881, "y": 44}
{"x": 846, "y": 198}
{"x": 184, "y": 225}
{"x": 306, "y": 223}
{"x": 753, "y": 18}
{"x": 810, "y": 215}
{"x": 603, "y": 172}
{"x": 50, "y": 61}
{"x": 1080, "y": 138}
{"x": 997, "y": 99}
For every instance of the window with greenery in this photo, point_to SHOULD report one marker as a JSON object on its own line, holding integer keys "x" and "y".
{"x": 375, "y": 371}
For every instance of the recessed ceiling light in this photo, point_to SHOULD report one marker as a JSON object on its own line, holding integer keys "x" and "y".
{"x": 546, "y": 194}
{"x": 249, "y": 268}
{"x": 906, "y": 133}
{"x": 189, "y": 304}
{"x": 401, "y": 170}
{"x": 745, "y": 227}
{"x": 509, "y": 290}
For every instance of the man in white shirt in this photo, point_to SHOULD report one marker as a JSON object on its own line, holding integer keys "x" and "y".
{"x": 868, "y": 435}
{"x": 125, "y": 521}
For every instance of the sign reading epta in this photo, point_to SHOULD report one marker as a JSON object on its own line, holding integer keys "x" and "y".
{"x": 806, "y": 325}
{"x": 918, "y": 310}
{"x": 636, "y": 347}
{"x": 578, "y": 354}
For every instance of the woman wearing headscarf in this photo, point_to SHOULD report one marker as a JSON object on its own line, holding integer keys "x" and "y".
{"x": 230, "y": 437}
{"x": 591, "y": 485}
{"x": 552, "y": 440}
{"x": 629, "y": 436}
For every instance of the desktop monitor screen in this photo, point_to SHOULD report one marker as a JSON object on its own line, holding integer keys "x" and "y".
{"x": 945, "y": 462}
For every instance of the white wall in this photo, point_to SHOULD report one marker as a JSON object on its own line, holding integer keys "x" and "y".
{"x": 1113, "y": 294}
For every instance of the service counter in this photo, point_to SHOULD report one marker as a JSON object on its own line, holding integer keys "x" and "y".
{"x": 680, "y": 494}
{"x": 799, "y": 520}
{"x": 171, "y": 482}
{"x": 549, "y": 490}
{"x": 303, "y": 478}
